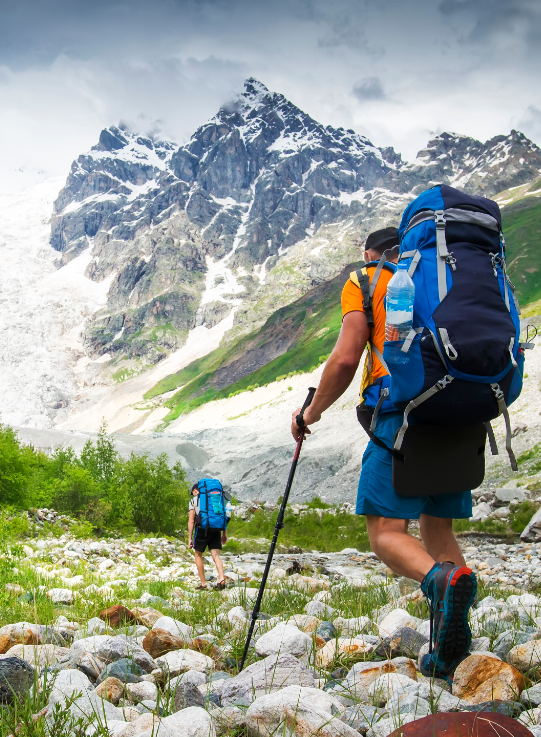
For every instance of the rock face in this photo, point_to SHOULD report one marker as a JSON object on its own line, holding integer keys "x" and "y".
{"x": 186, "y": 233}
{"x": 532, "y": 531}
{"x": 268, "y": 675}
{"x": 480, "y": 678}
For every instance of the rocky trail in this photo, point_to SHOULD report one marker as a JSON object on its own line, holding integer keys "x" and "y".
{"x": 111, "y": 637}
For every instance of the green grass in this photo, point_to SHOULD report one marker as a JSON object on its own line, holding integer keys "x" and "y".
{"x": 530, "y": 460}
{"x": 522, "y": 230}
{"x": 314, "y": 321}
{"x": 331, "y": 533}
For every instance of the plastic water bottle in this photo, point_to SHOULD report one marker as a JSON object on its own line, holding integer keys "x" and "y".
{"x": 399, "y": 309}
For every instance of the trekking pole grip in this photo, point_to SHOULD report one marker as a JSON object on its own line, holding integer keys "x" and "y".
{"x": 299, "y": 419}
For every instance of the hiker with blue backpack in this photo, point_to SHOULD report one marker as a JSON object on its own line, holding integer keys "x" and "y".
{"x": 210, "y": 511}
{"x": 436, "y": 311}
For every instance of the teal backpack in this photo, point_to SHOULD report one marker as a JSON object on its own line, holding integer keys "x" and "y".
{"x": 212, "y": 505}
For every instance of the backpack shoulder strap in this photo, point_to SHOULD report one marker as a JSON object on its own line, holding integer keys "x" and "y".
{"x": 362, "y": 280}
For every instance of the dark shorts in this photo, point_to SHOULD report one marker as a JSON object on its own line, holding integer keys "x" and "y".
{"x": 211, "y": 539}
{"x": 376, "y": 494}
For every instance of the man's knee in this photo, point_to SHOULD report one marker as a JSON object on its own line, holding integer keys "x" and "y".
{"x": 435, "y": 525}
{"x": 380, "y": 528}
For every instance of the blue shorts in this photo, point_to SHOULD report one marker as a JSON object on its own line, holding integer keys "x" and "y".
{"x": 376, "y": 494}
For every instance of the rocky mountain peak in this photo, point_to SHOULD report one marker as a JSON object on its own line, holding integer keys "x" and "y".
{"x": 189, "y": 233}
{"x": 481, "y": 168}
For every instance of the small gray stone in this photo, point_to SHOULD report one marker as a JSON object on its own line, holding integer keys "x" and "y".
{"x": 195, "y": 677}
{"x": 16, "y": 677}
{"x": 507, "y": 640}
{"x": 509, "y": 708}
{"x": 318, "y": 609}
{"x": 385, "y": 726}
{"x": 327, "y": 631}
{"x": 266, "y": 676}
{"x": 125, "y": 670}
{"x": 187, "y": 694}
{"x": 284, "y": 638}
{"x": 361, "y": 717}
{"x": 531, "y": 696}
{"x": 480, "y": 643}
{"x": 504, "y": 497}
{"x": 409, "y": 704}
{"x": 405, "y": 641}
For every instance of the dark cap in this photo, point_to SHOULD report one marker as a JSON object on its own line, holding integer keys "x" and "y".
{"x": 381, "y": 240}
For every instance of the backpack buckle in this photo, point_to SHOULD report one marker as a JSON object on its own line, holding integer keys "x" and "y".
{"x": 451, "y": 260}
{"x": 497, "y": 392}
{"x": 442, "y": 383}
{"x": 440, "y": 219}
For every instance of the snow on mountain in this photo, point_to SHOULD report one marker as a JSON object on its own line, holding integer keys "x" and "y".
{"x": 166, "y": 250}
{"x": 41, "y": 308}
{"x": 481, "y": 168}
{"x": 191, "y": 233}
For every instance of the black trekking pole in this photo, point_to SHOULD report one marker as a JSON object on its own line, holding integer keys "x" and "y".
{"x": 279, "y": 522}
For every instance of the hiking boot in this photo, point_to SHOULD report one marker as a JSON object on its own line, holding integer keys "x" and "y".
{"x": 220, "y": 586}
{"x": 450, "y": 591}
{"x": 201, "y": 587}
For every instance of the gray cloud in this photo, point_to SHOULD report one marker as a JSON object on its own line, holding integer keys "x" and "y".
{"x": 506, "y": 21}
{"x": 369, "y": 88}
{"x": 530, "y": 122}
{"x": 70, "y": 67}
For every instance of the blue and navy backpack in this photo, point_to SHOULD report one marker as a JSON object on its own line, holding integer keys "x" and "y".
{"x": 465, "y": 361}
{"x": 212, "y": 505}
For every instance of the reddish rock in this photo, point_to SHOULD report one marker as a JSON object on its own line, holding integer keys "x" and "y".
{"x": 480, "y": 678}
{"x": 205, "y": 647}
{"x": 111, "y": 689}
{"x": 463, "y": 724}
{"x": 118, "y": 616}
{"x": 159, "y": 642}
{"x": 17, "y": 636}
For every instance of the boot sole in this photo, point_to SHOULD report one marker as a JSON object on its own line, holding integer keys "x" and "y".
{"x": 461, "y": 590}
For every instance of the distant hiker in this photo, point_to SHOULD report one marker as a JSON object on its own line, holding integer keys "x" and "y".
{"x": 210, "y": 511}
{"x": 475, "y": 262}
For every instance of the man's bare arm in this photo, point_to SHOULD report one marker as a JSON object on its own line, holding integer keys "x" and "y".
{"x": 340, "y": 369}
{"x": 191, "y": 522}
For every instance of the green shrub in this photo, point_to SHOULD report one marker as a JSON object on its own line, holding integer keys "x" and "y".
{"x": 100, "y": 459}
{"x": 150, "y": 494}
{"x": 76, "y": 493}
{"x": 521, "y": 514}
{"x": 318, "y": 503}
{"x": 15, "y": 468}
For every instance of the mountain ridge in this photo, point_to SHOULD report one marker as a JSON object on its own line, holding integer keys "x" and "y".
{"x": 202, "y": 244}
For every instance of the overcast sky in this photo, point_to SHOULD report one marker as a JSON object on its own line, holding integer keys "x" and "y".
{"x": 397, "y": 71}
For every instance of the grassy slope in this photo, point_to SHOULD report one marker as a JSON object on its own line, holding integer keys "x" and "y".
{"x": 522, "y": 228}
{"x": 317, "y": 318}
